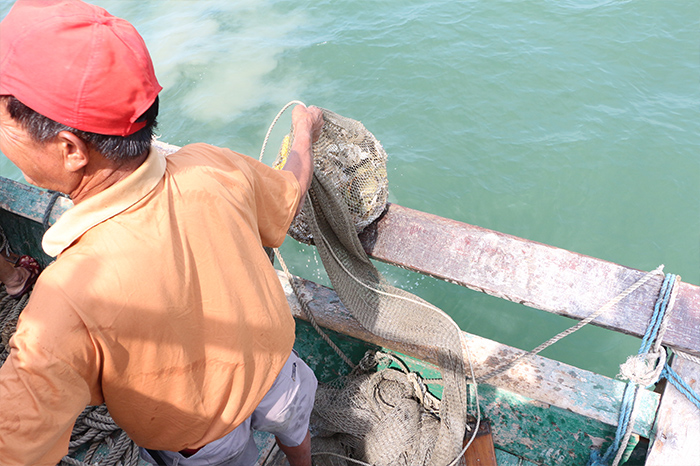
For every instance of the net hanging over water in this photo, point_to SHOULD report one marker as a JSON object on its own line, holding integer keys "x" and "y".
{"x": 381, "y": 418}
{"x": 353, "y": 162}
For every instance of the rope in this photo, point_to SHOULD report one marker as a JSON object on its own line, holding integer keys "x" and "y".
{"x": 381, "y": 292}
{"x": 274, "y": 122}
{"x": 94, "y": 426}
{"x": 292, "y": 281}
{"x": 688, "y": 357}
{"x": 47, "y": 213}
{"x": 681, "y": 385}
{"x": 643, "y": 369}
{"x": 10, "y": 309}
{"x": 629, "y": 290}
{"x": 305, "y": 307}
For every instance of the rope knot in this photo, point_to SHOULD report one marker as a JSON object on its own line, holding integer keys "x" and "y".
{"x": 644, "y": 369}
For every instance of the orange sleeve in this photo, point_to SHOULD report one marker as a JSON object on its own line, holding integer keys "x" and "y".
{"x": 276, "y": 216}
{"x": 44, "y": 384}
{"x": 277, "y": 194}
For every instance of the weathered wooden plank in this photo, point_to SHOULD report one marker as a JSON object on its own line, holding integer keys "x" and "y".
{"x": 481, "y": 452}
{"x": 30, "y": 202}
{"x": 676, "y": 436}
{"x": 538, "y": 432}
{"x": 506, "y": 459}
{"x": 559, "y": 384}
{"x": 530, "y": 273}
{"x": 547, "y": 381}
{"x": 267, "y": 447}
{"x": 24, "y": 236}
{"x": 22, "y": 210}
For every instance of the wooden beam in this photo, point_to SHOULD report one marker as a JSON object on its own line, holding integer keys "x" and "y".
{"x": 547, "y": 381}
{"x": 29, "y": 201}
{"x": 481, "y": 452}
{"x": 676, "y": 436}
{"x": 530, "y": 273}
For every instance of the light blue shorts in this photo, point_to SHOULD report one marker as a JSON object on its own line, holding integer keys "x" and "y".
{"x": 284, "y": 412}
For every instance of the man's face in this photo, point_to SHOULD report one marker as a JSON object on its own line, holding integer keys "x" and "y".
{"x": 40, "y": 164}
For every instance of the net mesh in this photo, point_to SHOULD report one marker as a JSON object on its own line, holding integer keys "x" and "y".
{"x": 354, "y": 162}
{"x": 377, "y": 417}
{"x": 384, "y": 417}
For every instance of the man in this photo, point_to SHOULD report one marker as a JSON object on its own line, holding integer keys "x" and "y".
{"x": 162, "y": 302}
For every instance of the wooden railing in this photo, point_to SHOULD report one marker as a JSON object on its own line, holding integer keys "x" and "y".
{"x": 534, "y": 274}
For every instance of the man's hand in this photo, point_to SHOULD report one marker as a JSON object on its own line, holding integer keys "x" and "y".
{"x": 307, "y": 120}
{"x": 307, "y": 123}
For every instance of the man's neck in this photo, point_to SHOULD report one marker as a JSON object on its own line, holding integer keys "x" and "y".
{"x": 103, "y": 173}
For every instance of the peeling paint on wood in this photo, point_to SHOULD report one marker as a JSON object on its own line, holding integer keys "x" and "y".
{"x": 22, "y": 210}
{"x": 519, "y": 270}
{"x": 527, "y": 272}
{"x": 30, "y": 202}
{"x": 549, "y": 436}
{"x": 676, "y": 437}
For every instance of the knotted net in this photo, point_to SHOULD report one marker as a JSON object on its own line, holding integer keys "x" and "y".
{"x": 353, "y": 162}
{"x": 380, "y": 418}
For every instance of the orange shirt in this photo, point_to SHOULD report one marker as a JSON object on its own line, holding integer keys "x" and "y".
{"x": 161, "y": 303}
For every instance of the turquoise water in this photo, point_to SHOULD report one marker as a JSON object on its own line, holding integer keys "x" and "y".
{"x": 571, "y": 123}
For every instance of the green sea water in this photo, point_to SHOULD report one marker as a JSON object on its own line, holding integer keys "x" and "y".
{"x": 572, "y": 123}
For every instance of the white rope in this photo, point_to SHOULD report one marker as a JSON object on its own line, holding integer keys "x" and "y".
{"x": 307, "y": 311}
{"x": 385, "y": 293}
{"x": 687, "y": 356}
{"x": 328, "y": 453}
{"x": 644, "y": 369}
{"x": 278, "y": 255}
{"x": 274, "y": 122}
{"x": 629, "y": 290}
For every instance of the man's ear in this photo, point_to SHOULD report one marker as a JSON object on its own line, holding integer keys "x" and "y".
{"x": 74, "y": 151}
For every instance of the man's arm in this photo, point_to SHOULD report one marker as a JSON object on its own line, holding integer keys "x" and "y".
{"x": 41, "y": 393}
{"x": 307, "y": 123}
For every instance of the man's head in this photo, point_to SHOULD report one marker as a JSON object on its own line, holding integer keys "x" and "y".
{"x": 117, "y": 148}
{"x": 71, "y": 66}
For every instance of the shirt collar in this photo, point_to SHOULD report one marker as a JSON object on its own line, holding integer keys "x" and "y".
{"x": 104, "y": 205}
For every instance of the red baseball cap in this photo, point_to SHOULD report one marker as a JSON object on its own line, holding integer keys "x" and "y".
{"x": 77, "y": 64}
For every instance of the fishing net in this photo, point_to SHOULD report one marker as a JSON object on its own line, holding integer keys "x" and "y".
{"x": 353, "y": 161}
{"x": 381, "y": 418}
